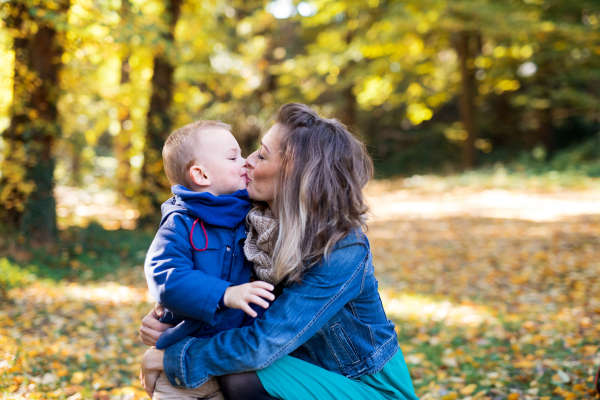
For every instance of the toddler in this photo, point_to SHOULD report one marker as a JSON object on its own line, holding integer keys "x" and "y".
{"x": 195, "y": 266}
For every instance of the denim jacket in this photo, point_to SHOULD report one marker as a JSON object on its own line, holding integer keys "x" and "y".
{"x": 333, "y": 319}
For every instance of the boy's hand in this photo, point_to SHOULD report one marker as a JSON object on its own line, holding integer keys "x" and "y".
{"x": 241, "y": 296}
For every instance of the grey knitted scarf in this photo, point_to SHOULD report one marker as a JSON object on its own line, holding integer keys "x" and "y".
{"x": 260, "y": 242}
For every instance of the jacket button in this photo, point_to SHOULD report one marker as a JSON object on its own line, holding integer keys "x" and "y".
{"x": 177, "y": 381}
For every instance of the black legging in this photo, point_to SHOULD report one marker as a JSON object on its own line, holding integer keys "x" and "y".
{"x": 243, "y": 386}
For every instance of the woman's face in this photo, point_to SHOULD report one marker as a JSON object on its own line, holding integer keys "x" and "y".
{"x": 262, "y": 167}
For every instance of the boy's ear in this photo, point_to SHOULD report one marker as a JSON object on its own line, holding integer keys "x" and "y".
{"x": 198, "y": 176}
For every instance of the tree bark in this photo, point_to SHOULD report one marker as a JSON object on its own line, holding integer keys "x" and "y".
{"x": 544, "y": 134}
{"x": 349, "y": 117}
{"x": 545, "y": 131}
{"x": 122, "y": 142}
{"x": 155, "y": 187}
{"x": 466, "y": 103}
{"x": 27, "y": 182}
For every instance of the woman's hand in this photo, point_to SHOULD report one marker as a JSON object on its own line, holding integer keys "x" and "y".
{"x": 151, "y": 329}
{"x": 152, "y": 366}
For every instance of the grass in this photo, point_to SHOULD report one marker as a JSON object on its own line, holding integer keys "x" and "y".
{"x": 80, "y": 254}
{"x": 485, "y": 308}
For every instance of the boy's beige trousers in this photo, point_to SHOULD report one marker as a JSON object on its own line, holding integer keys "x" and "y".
{"x": 163, "y": 390}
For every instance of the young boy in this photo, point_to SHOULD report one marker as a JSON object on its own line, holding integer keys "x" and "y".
{"x": 195, "y": 266}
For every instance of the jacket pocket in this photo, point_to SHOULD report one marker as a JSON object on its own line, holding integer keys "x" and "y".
{"x": 344, "y": 342}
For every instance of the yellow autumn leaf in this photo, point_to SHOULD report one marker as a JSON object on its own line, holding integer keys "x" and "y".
{"x": 62, "y": 372}
{"x": 56, "y": 393}
{"x": 524, "y": 364}
{"x": 467, "y": 390}
{"x": 77, "y": 378}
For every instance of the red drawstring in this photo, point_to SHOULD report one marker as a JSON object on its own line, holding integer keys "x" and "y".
{"x": 192, "y": 235}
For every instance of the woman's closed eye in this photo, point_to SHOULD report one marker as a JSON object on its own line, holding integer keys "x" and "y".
{"x": 260, "y": 157}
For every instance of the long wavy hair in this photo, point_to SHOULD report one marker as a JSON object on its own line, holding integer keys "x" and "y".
{"x": 318, "y": 189}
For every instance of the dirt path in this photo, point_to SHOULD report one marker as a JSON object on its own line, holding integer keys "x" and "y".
{"x": 493, "y": 203}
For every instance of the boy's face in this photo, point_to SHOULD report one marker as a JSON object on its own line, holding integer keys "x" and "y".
{"x": 221, "y": 160}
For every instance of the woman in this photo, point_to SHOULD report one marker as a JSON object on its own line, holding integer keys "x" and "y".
{"x": 310, "y": 173}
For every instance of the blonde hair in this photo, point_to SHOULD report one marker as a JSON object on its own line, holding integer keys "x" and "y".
{"x": 180, "y": 151}
{"x": 318, "y": 189}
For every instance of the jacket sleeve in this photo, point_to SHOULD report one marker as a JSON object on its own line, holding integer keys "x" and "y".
{"x": 174, "y": 282}
{"x": 300, "y": 311}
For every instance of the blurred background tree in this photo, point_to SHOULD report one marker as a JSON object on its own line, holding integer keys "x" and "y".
{"x": 90, "y": 90}
{"x": 27, "y": 181}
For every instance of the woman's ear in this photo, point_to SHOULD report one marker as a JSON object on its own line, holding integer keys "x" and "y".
{"x": 198, "y": 176}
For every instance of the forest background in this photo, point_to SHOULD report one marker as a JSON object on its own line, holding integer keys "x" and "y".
{"x": 456, "y": 99}
{"x": 90, "y": 90}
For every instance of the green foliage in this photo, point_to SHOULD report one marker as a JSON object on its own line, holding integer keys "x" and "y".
{"x": 389, "y": 69}
{"x": 12, "y": 276}
{"x": 88, "y": 254}
{"x": 584, "y": 156}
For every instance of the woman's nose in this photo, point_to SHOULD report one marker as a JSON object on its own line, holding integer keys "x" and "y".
{"x": 251, "y": 160}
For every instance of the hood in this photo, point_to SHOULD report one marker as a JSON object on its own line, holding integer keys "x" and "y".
{"x": 227, "y": 210}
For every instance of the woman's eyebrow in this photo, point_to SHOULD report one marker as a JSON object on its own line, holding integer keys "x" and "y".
{"x": 266, "y": 148}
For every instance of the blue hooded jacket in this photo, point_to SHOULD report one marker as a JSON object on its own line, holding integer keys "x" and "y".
{"x": 189, "y": 273}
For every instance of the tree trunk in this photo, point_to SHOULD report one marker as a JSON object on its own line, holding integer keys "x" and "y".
{"x": 27, "y": 182}
{"x": 466, "y": 104}
{"x": 122, "y": 142}
{"x": 545, "y": 131}
{"x": 349, "y": 116}
{"x": 155, "y": 187}
{"x": 544, "y": 134}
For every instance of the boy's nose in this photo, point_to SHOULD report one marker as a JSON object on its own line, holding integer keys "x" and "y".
{"x": 244, "y": 165}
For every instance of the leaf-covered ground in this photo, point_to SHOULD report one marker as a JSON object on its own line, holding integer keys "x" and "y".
{"x": 496, "y": 308}
{"x": 487, "y": 307}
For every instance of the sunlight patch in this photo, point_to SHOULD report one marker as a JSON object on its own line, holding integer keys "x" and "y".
{"x": 411, "y": 307}
{"x": 493, "y": 203}
{"x": 101, "y": 293}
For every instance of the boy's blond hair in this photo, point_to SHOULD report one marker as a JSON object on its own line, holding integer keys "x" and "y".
{"x": 180, "y": 151}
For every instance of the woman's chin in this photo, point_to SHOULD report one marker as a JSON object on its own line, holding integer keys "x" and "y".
{"x": 251, "y": 193}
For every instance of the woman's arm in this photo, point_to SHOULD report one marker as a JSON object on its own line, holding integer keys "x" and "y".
{"x": 291, "y": 320}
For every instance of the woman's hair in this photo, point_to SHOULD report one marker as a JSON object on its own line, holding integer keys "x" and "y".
{"x": 318, "y": 188}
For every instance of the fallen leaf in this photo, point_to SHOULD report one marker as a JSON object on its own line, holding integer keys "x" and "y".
{"x": 77, "y": 377}
{"x": 467, "y": 390}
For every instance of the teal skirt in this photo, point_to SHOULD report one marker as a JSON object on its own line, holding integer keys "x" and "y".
{"x": 292, "y": 379}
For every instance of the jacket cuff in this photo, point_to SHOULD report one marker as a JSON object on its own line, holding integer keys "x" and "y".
{"x": 215, "y": 294}
{"x": 213, "y": 297}
{"x": 170, "y": 318}
{"x": 175, "y": 366}
{"x": 222, "y": 305}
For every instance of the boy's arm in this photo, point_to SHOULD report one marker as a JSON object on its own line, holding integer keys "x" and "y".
{"x": 174, "y": 283}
